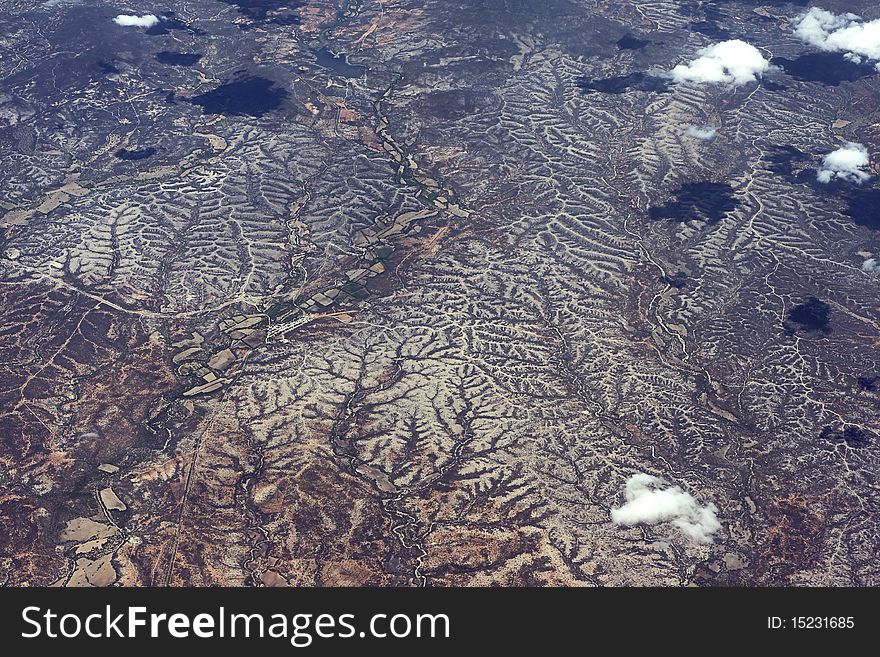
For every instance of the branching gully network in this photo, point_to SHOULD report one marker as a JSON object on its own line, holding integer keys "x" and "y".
{"x": 299, "y": 629}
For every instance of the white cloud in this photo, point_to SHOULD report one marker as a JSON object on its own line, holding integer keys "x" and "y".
{"x": 845, "y": 163}
{"x": 729, "y": 62}
{"x": 703, "y": 132}
{"x": 147, "y": 20}
{"x": 871, "y": 265}
{"x": 846, "y": 33}
{"x": 651, "y": 500}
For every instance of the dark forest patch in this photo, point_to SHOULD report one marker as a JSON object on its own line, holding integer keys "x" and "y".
{"x": 456, "y": 103}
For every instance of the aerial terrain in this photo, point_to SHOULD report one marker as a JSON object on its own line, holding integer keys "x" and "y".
{"x": 438, "y": 292}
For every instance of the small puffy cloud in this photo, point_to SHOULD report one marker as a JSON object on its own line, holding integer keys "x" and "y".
{"x": 729, "y": 62}
{"x": 846, "y": 33}
{"x": 871, "y": 265}
{"x": 701, "y": 132}
{"x": 846, "y": 163}
{"x": 147, "y": 20}
{"x": 651, "y": 500}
